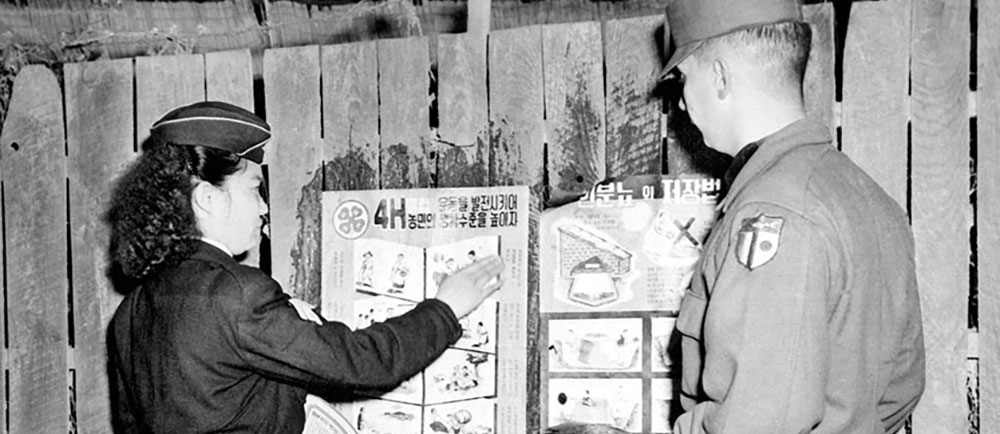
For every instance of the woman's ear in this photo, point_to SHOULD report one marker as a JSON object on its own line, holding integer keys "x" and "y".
{"x": 204, "y": 200}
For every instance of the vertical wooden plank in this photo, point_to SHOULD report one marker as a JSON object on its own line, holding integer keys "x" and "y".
{"x": 404, "y": 110}
{"x": 875, "y": 107}
{"x": 163, "y": 83}
{"x": 350, "y": 122}
{"x": 4, "y": 353}
{"x": 632, "y": 59}
{"x": 988, "y": 226}
{"x": 517, "y": 141}
{"x": 574, "y": 108}
{"x": 479, "y": 20}
{"x": 292, "y": 95}
{"x": 229, "y": 77}
{"x": 350, "y": 116}
{"x": 940, "y": 205}
{"x": 32, "y": 150}
{"x": 517, "y": 130}
{"x": 820, "y": 84}
{"x": 99, "y": 136}
{"x": 463, "y": 151}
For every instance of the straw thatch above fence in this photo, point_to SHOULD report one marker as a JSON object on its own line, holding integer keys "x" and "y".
{"x": 122, "y": 29}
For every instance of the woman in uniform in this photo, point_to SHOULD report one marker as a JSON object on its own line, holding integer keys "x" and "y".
{"x": 204, "y": 344}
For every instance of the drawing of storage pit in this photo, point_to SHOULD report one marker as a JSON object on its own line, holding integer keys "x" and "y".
{"x": 593, "y": 263}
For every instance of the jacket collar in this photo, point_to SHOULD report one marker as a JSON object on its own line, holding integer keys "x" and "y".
{"x": 739, "y": 161}
{"x": 217, "y": 244}
{"x": 209, "y": 252}
{"x": 770, "y": 149}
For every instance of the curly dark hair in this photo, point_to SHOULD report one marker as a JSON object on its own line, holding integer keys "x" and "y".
{"x": 152, "y": 222}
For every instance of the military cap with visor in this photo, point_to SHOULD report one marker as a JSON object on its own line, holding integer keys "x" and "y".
{"x": 215, "y": 124}
{"x": 692, "y": 22}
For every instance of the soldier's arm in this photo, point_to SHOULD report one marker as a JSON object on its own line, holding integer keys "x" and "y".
{"x": 766, "y": 349}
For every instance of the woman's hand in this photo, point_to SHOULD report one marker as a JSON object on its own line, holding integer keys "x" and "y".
{"x": 465, "y": 289}
{"x": 305, "y": 310}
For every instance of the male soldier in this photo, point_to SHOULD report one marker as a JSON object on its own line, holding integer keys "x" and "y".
{"x": 804, "y": 314}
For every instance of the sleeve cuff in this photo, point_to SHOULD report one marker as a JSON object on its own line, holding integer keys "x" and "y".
{"x": 450, "y": 320}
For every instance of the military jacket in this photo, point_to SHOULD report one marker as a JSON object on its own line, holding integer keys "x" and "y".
{"x": 210, "y": 345}
{"x": 803, "y": 316}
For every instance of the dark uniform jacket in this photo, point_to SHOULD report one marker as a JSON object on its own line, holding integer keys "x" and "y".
{"x": 214, "y": 346}
{"x": 804, "y": 315}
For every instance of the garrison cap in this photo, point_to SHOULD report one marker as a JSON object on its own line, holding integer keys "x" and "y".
{"x": 215, "y": 124}
{"x": 693, "y": 21}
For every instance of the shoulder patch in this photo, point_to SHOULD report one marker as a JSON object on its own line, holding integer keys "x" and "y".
{"x": 758, "y": 240}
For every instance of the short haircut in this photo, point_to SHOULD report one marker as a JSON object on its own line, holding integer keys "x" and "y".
{"x": 780, "y": 50}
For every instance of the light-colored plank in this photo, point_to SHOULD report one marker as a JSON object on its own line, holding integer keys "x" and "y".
{"x": 4, "y": 356}
{"x": 516, "y": 108}
{"x": 229, "y": 78}
{"x": 350, "y": 124}
{"x": 940, "y": 208}
{"x": 163, "y": 83}
{"x": 479, "y": 19}
{"x": 988, "y": 225}
{"x": 574, "y": 108}
{"x": 404, "y": 110}
{"x": 350, "y": 116}
{"x": 463, "y": 150}
{"x": 34, "y": 189}
{"x": 875, "y": 103}
{"x": 99, "y": 136}
{"x": 632, "y": 58}
{"x": 292, "y": 95}
{"x": 517, "y": 140}
{"x": 820, "y": 85}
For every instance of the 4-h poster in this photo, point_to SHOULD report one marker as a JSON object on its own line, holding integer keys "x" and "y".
{"x": 386, "y": 250}
{"x": 614, "y": 266}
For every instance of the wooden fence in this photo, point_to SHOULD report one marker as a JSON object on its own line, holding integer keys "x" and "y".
{"x": 556, "y": 107}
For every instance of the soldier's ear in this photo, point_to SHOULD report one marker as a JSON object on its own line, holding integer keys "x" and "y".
{"x": 721, "y": 77}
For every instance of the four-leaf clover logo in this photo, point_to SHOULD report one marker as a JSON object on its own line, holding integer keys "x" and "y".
{"x": 350, "y": 219}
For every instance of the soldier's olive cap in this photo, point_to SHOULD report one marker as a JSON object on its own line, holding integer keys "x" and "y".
{"x": 691, "y": 22}
{"x": 215, "y": 124}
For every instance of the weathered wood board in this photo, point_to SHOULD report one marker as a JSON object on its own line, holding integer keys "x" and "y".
{"x": 294, "y": 159}
{"x": 940, "y": 208}
{"x": 404, "y": 111}
{"x": 99, "y": 143}
{"x": 633, "y": 109}
{"x": 820, "y": 84}
{"x": 463, "y": 130}
{"x": 875, "y": 103}
{"x": 988, "y": 224}
{"x": 33, "y": 164}
{"x": 350, "y": 116}
{"x": 517, "y": 134}
{"x": 163, "y": 83}
{"x": 574, "y": 108}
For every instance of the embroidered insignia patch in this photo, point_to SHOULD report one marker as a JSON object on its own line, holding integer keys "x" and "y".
{"x": 758, "y": 240}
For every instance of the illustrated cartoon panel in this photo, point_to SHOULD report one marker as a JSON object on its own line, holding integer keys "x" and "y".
{"x": 605, "y": 344}
{"x": 389, "y": 268}
{"x": 616, "y": 402}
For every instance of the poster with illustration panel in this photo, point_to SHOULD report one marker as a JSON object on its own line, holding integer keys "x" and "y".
{"x": 386, "y": 250}
{"x": 614, "y": 266}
